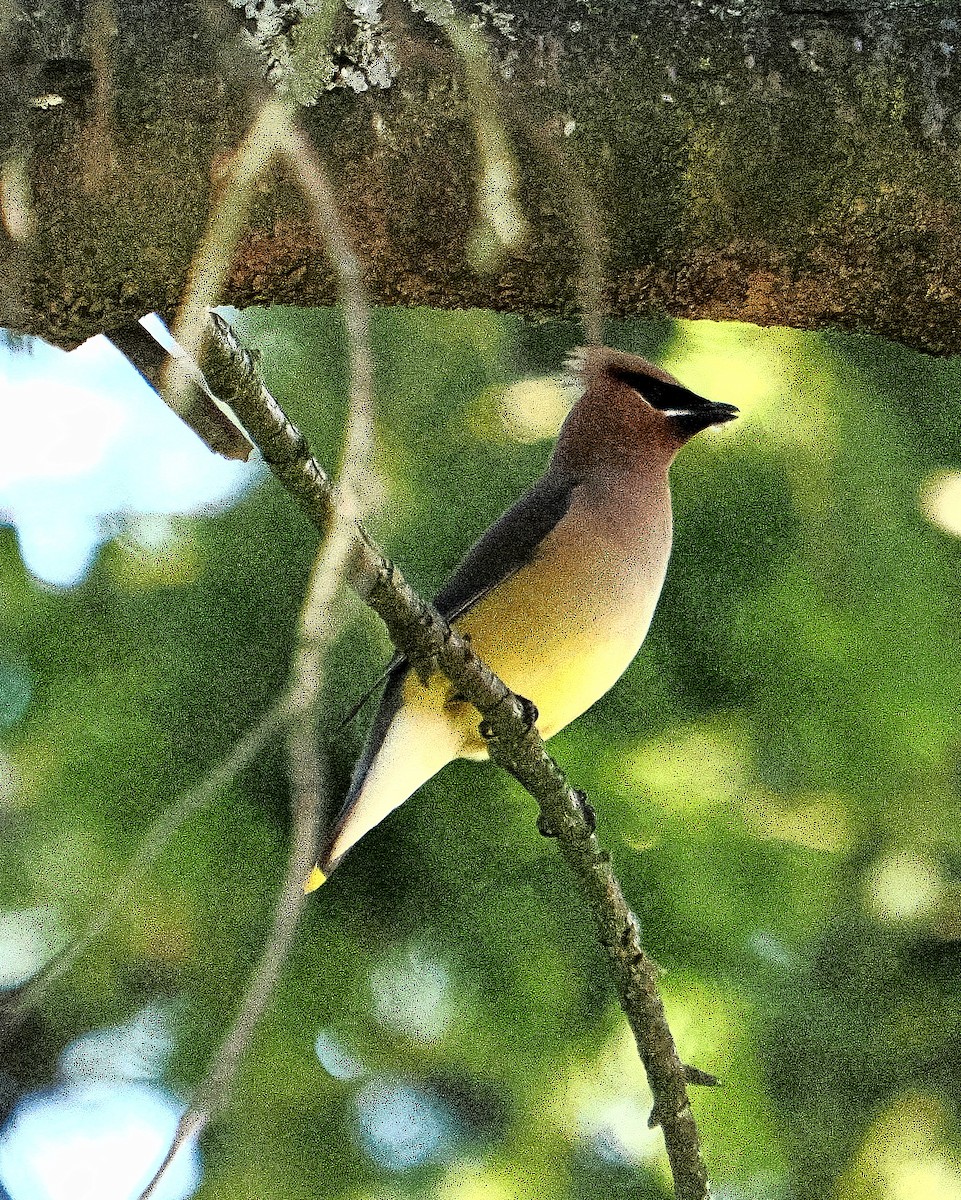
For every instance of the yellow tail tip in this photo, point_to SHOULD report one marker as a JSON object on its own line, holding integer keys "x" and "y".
{"x": 315, "y": 879}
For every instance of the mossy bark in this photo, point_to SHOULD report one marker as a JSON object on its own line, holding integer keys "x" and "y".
{"x": 794, "y": 166}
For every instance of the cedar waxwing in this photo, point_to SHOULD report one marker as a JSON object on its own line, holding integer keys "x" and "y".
{"x": 557, "y": 595}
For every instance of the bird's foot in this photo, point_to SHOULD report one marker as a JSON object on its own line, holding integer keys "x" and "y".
{"x": 530, "y": 713}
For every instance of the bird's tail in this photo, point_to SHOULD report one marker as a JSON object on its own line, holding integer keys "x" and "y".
{"x": 314, "y": 880}
{"x": 416, "y": 744}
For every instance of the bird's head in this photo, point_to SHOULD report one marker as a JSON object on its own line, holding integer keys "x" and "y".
{"x": 632, "y": 409}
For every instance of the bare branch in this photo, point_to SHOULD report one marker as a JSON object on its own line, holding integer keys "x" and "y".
{"x": 513, "y": 741}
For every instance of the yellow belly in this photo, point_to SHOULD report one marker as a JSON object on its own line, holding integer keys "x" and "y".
{"x": 552, "y": 640}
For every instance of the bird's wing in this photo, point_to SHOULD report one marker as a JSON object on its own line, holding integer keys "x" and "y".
{"x": 386, "y": 711}
{"x": 395, "y": 663}
{"x": 509, "y": 544}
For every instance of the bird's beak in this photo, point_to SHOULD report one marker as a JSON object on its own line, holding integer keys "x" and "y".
{"x": 701, "y": 414}
{"x": 722, "y": 413}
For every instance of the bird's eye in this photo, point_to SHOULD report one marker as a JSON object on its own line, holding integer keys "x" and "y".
{"x": 658, "y": 393}
{"x": 637, "y": 380}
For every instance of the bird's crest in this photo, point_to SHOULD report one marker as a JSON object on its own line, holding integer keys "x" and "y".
{"x": 588, "y": 363}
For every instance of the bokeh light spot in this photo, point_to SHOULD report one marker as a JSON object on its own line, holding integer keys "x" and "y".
{"x": 94, "y": 1142}
{"x": 904, "y": 1155}
{"x": 16, "y": 688}
{"x": 412, "y": 995}
{"x": 336, "y": 1060}
{"x": 904, "y": 888}
{"x": 940, "y": 501}
{"x": 402, "y": 1126}
{"x": 532, "y": 410}
{"x": 27, "y": 939}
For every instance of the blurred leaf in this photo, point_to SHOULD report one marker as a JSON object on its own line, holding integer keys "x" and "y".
{"x": 777, "y": 777}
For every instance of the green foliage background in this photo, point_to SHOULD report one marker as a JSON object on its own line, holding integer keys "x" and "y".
{"x": 776, "y": 776}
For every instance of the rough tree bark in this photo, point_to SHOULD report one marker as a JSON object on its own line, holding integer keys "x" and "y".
{"x": 793, "y": 164}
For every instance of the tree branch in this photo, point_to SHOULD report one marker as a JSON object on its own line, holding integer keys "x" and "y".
{"x": 429, "y": 643}
{"x": 749, "y": 161}
{"x": 199, "y": 410}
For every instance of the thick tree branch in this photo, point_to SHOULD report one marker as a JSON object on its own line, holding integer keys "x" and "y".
{"x": 778, "y": 164}
{"x": 418, "y": 630}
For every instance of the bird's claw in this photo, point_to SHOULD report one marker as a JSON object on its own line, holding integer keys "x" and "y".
{"x": 544, "y": 827}
{"x": 530, "y": 713}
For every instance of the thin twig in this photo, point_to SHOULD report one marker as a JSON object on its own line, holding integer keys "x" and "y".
{"x": 315, "y": 630}
{"x": 307, "y": 785}
{"x": 212, "y": 262}
{"x": 426, "y": 639}
{"x": 156, "y": 838}
{"x": 305, "y": 163}
{"x": 502, "y": 225}
{"x": 589, "y": 230}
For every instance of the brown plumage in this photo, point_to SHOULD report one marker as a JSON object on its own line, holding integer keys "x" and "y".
{"x": 557, "y": 595}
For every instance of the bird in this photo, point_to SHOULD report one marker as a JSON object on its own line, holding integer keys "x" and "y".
{"x": 556, "y": 597}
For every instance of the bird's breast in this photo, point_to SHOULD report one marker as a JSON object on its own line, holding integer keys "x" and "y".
{"x": 564, "y": 628}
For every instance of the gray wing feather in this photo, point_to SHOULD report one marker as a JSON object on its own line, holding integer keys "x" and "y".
{"x": 386, "y": 710}
{"x": 510, "y": 543}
